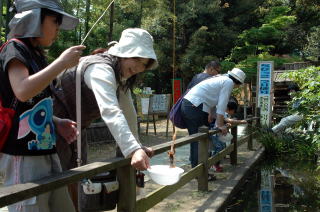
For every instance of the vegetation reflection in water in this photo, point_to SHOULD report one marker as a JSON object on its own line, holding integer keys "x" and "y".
{"x": 295, "y": 186}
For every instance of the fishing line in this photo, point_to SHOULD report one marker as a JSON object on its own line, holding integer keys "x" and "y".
{"x": 96, "y": 22}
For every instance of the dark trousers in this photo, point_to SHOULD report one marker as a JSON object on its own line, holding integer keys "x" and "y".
{"x": 194, "y": 118}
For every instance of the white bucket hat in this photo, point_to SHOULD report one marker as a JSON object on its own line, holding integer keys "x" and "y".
{"x": 238, "y": 74}
{"x": 135, "y": 42}
{"x": 27, "y": 21}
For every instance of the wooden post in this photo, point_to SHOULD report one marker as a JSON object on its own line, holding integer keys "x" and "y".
{"x": 250, "y": 130}
{"x": 167, "y": 128}
{"x": 154, "y": 124}
{"x": 127, "y": 189}
{"x": 258, "y": 115}
{"x": 233, "y": 154}
{"x": 147, "y": 129}
{"x": 203, "y": 158}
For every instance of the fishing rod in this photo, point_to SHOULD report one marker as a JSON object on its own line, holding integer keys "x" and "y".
{"x": 78, "y": 90}
{"x": 85, "y": 37}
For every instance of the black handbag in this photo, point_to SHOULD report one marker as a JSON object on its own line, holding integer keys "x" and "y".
{"x": 99, "y": 193}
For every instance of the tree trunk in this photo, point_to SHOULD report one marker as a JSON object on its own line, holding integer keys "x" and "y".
{"x": 111, "y": 21}
{"x": 8, "y": 18}
{"x": 87, "y": 17}
{"x": 1, "y": 15}
{"x": 77, "y": 35}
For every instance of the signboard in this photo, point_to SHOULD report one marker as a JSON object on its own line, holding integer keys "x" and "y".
{"x": 177, "y": 90}
{"x": 264, "y": 87}
{"x": 160, "y": 103}
{"x": 265, "y": 193}
{"x": 265, "y": 200}
{"x": 144, "y": 106}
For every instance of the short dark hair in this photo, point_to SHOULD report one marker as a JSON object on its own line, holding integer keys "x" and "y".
{"x": 235, "y": 80}
{"x": 213, "y": 64}
{"x": 46, "y": 12}
{"x": 294, "y": 87}
{"x": 232, "y": 105}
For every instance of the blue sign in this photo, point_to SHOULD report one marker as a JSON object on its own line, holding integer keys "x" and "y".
{"x": 265, "y": 70}
{"x": 265, "y": 200}
{"x": 264, "y": 86}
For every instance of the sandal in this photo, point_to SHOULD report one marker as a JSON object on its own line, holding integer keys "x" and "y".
{"x": 212, "y": 177}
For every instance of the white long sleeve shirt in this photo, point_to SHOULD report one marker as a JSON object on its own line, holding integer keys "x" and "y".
{"x": 213, "y": 92}
{"x": 119, "y": 115}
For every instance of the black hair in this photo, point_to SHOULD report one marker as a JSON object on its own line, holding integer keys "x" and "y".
{"x": 235, "y": 80}
{"x": 232, "y": 105}
{"x": 294, "y": 87}
{"x": 129, "y": 82}
{"x": 213, "y": 64}
{"x": 150, "y": 63}
{"x": 47, "y": 12}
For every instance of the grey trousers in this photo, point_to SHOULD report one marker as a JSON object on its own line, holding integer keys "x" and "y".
{"x": 286, "y": 122}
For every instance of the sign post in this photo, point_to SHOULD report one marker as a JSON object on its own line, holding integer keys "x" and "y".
{"x": 266, "y": 203}
{"x": 177, "y": 89}
{"x": 264, "y": 87}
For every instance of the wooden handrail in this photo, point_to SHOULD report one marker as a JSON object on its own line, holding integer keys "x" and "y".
{"x": 19, "y": 192}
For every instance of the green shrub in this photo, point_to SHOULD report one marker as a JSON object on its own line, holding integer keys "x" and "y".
{"x": 290, "y": 143}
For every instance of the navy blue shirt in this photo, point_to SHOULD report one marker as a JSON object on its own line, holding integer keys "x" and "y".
{"x": 197, "y": 79}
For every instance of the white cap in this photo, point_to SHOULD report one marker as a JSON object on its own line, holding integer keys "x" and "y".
{"x": 238, "y": 74}
{"x": 135, "y": 42}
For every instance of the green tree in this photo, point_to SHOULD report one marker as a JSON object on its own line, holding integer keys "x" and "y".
{"x": 309, "y": 97}
{"x": 312, "y": 48}
{"x": 269, "y": 37}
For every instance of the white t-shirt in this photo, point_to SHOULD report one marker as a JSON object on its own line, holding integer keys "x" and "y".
{"x": 213, "y": 92}
{"x": 119, "y": 115}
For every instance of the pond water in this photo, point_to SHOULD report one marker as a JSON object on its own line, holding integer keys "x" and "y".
{"x": 183, "y": 152}
{"x": 181, "y": 157}
{"x": 282, "y": 186}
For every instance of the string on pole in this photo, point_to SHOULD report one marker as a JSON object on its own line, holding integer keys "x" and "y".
{"x": 171, "y": 152}
{"x": 82, "y": 42}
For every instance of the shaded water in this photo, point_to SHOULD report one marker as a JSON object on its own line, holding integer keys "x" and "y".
{"x": 282, "y": 186}
{"x": 183, "y": 152}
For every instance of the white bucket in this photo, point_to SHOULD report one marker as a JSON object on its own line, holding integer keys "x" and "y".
{"x": 164, "y": 175}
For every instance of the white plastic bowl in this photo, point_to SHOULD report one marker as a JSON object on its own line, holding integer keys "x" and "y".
{"x": 164, "y": 175}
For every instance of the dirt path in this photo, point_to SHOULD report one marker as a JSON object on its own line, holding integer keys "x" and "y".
{"x": 187, "y": 198}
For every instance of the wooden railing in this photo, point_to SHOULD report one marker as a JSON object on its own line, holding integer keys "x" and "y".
{"x": 126, "y": 173}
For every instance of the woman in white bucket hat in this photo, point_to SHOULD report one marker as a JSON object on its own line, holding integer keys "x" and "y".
{"x": 106, "y": 82}
{"x": 210, "y": 94}
{"x": 29, "y": 152}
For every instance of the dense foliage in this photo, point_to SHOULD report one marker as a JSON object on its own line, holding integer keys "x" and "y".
{"x": 303, "y": 139}
{"x": 236, "y": 32}
{"x": 309, "y": 98}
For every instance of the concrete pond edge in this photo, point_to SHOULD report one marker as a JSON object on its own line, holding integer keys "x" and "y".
{"x": 220, "y": 197}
